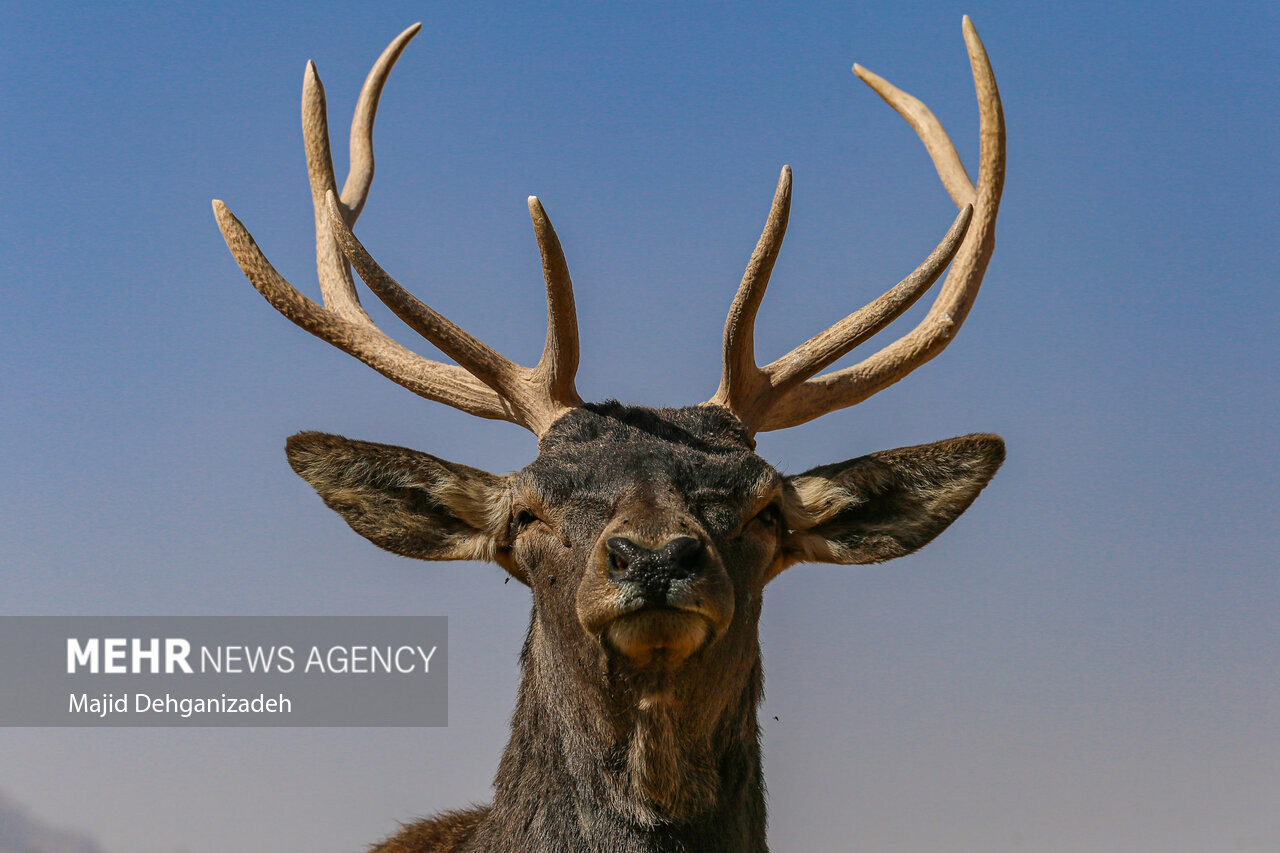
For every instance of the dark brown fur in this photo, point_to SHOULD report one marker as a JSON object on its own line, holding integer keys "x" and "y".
{"x": 635, "y": 726}
{"x": 443, "y": 832}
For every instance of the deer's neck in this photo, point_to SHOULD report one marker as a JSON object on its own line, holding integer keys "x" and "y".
{"x": 600, "y": 761}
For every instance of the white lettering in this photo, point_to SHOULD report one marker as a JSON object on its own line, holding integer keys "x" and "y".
{"x": 115, "y": 649}
{"x": 176, "y": 651}
{"x": 84, "y": 655}
{"x": 151, "y": 653}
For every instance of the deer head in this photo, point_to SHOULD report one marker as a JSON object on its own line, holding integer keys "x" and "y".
{"x": 646, "y": 535}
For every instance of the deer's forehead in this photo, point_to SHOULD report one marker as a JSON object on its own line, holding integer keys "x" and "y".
{"x": 612, "y": 471}
{"x": 605, "y": 451}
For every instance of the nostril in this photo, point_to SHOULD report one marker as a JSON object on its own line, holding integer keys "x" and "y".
{"x": 685, "y": 554}
{"x": 623, "y": 547}
{"x": 622, "y": 553}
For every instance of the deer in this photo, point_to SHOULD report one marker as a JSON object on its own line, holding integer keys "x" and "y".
{"x": 645, "y": 535}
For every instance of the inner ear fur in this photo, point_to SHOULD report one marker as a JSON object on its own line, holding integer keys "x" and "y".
{"x": 405, "y": 501}
{"x": 886, "y": 504}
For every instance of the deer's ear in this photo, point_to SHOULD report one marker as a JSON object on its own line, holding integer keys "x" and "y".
{"x": 407, "y": 502}
{"x": 888, "y": 504}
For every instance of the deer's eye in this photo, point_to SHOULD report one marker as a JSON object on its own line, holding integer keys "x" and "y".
{"x": 770, "y": 516}
{"x": 522, "y": 519}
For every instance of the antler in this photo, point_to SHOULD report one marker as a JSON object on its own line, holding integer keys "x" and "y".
{"x": 486, "y": 384}
{"x": 783, "y": 393}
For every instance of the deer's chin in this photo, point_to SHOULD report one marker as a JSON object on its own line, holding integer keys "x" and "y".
{"x": 661, "y": 637}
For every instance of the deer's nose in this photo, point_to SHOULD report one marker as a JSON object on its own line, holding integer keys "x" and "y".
{"x": 654, "y": 569}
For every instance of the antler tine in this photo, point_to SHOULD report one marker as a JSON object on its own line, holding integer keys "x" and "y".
{"x": 741, "y": 381}
{"x": 336, "y": 286}
{"x": 360, "y": 172}
{"x": 558, "y": 365}
{"x": 926, "y": 125}
{"x": 782, "y": 407}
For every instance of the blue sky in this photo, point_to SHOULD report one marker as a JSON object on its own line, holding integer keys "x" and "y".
{"x": 1087, "y": 660}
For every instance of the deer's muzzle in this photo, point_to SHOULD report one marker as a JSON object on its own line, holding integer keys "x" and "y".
{"x": 657, "y": 599}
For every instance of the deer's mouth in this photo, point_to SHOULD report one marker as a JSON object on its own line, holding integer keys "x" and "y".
{"x": 655, "y": 607}
{"x": 659, "y": 635}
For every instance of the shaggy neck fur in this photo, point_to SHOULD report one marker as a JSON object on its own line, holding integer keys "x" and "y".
{"x": 606, "y": 760}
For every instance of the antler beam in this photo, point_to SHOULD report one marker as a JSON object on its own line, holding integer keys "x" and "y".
{"x": 786, "y": 392}
{"x": 486, "y": 384}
